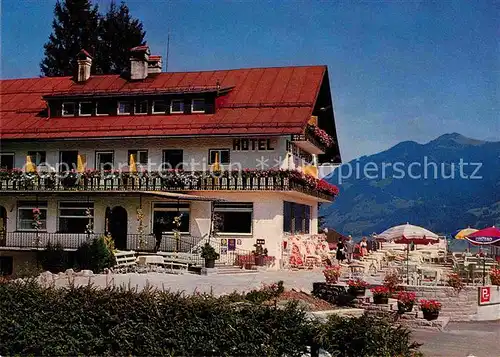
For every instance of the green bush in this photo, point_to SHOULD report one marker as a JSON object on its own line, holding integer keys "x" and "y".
{"x": 53, "y": 258}
{"x": 86, "y": 320}
{"x": 368, "y": 336}
{"x": 95, "y": 256}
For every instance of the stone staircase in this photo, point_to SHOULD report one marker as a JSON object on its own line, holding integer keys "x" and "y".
{"x": 222, "y": 269}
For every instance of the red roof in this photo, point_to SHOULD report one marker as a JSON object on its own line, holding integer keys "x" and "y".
{"x": 269, "y": 101}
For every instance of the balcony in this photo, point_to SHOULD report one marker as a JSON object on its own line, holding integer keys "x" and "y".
{"x": 314, "y": 140}
{"x": 180, "y": 181}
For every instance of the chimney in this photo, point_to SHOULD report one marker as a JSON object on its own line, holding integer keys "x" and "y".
{"x": 84, "y": 60}
{"x": 139, "y": 57}
{"x": 154, "y": 64}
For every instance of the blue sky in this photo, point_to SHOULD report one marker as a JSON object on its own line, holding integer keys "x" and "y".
{"x": 399, "y": 70}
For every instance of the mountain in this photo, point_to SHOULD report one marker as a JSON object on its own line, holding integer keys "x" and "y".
{"x": 444, "y": 185}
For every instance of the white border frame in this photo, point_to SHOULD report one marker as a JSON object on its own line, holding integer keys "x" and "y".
{"x": 141, "y": 101}
{"x": 80, "y": 109}
{"x": 153, "y": 107}
{"x": 170, "y": 210}
{"x": 46, "y": 208}
{"x": 124, "y": 101}
{"x": 97, "y": 114}
{"x": 68, "y": 115}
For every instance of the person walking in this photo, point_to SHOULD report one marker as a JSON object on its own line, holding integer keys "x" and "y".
{"x": 349, "y": 248}
{"x": 158, "y": 232}
{"x": 340, "y": 251}
{"x": 363, "y": 247}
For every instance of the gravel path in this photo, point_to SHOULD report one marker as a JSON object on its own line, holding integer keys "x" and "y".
{"x": 461, "y": 339}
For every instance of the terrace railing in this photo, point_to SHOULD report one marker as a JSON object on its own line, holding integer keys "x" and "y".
{"x": 183, "y": 181}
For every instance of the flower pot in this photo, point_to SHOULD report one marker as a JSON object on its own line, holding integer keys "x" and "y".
{"x": 377, "y": 299}
{"x": 404, "y": 307}
{"x": 259, "y": 260}
{"x": 357, "y": 292}
{"x": 332, "y": 280}
{"x": 430, "y": 315}
{"x": 209, "y": 263}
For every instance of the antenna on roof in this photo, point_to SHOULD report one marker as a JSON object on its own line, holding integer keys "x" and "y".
{"x": 167, "y": 50}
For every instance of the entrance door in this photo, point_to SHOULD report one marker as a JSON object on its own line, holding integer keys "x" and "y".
{"x": 118, "y": 227}
{"x": 3, "y": 226}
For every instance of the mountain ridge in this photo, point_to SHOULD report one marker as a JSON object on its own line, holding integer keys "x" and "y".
{"x": 455, "y": 183}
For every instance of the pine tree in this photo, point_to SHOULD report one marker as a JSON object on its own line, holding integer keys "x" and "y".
{"x": 77, "y": 24}
{"x": 74, "y": 27}
{"x": 118, "y": 33}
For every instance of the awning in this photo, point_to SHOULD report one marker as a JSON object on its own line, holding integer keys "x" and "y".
{"x": 163, "y": 194}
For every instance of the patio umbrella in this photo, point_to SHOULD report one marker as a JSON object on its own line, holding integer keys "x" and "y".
{"x": 409, "y": 234}
{"x": 487, "y": 236}
{"x": 463, "y": 233}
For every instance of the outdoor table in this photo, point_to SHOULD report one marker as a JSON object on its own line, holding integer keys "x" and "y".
{"x": 150, "y": 260}
{"x": 438, "y": 271}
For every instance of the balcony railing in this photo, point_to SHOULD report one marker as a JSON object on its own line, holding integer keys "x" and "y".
{"x": 255, "y": 180}
{"x": 186, "y": 247}
{"x": 309, "y": 142}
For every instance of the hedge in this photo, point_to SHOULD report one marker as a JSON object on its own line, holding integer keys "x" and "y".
{"x": 85, "y": 320}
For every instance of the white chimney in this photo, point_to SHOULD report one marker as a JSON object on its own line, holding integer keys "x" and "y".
{"x": 84, "y": 60}
{"x": 139, "y": 57}
{"x": 154, "y": 64}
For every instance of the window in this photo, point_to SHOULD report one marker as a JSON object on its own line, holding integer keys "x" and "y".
{"x": 68, "y": 160}
{"x": 198, "y": 106}
{"x": 166, "y": 212}
{"x": 7, "y": 161}
{"x": 25, "y": 220}
{"x": 86, "y": 108}
{"x": 296, "y": 218}
{"x": 177, "y": 106}
{"x": 141, "y": 107}
{"x": 124, "y": 108}
{"x": 104, "y": 160}
{"x": 6, "y": 265}
{"x": 103, "y": 107}
{"x": 223, "y": 156}
{"x": 73, "y": 216}
{"x": 159, "y": 107}
{"x": 233, "y": 217}
{"x": 68, "y": 109}
{"x": 173, "y": 159}
{"x": 141, "y": 157}
{"x": 37, "y": 157}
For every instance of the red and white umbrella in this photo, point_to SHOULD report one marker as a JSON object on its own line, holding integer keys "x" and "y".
{"x": 408, "y": 233}
{"x": 486, "y": 236}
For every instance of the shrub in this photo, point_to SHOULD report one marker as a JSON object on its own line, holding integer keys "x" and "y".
{"x": 392, "y": 280}
{"x": 495, "y": 276}
{"x": 365, "y": 336}
{"x": 268, "y": 292}
{"x": 54, "y": 258}
{"x": 95, "y": 256}
{"x": 455, "y": 282}
{"x": 332, "y": 273}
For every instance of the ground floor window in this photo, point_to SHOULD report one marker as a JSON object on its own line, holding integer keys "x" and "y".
{"x": 74, "y": 216}
{"x": 296, "y": 218}
{"x": 165, "y": 213}
{"x": 25, "y": 221}
{"x": 233, "y": 217}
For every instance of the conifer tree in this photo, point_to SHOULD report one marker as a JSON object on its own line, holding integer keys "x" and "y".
{"x": 118, "y": 33}
{"x": 77, "y": 24}
{"x": 74, "y": 27}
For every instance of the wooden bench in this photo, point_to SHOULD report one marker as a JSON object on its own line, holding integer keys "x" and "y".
{"x": 125, "y": 259}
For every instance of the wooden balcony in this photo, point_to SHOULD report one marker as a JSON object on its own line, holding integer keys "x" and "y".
{"x": 308, "y": 142}
{"x": 164, "y": 181}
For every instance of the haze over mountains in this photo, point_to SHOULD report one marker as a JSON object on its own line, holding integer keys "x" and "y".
{"x": 447, "y": 184}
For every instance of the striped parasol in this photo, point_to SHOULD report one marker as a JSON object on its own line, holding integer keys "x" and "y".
{"x": 464, "y": 233}
{"x": 407, "y": 233}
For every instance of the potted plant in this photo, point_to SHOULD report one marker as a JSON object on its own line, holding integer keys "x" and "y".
{"x": 69, "y": 179}
{"x": 381, "y": 294}
{"x": 430, "y": 309}
{"x": 495, "y": 276}
{"x": 455, "y": 282}
{"x": 332, "y": 273}
{"x": 357, "y": 287}
{"x": 406, "y": 300}
{"x": 209, "y": 254}
{"x": 259, "y": 253}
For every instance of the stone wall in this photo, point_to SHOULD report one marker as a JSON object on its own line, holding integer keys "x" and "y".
{"x": 462, "y": 306}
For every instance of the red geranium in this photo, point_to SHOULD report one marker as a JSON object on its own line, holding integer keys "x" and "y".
{"x": 406, "y": 297}
{"x": 357, "y": 284}
{"x": 430, "y": 305}
{"x": 381, "y": 291}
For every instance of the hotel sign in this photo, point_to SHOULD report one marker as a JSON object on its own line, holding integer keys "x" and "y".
{"x": 242, "y": 144}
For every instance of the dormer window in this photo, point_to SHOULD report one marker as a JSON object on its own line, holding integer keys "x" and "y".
{"x": 68, "y": 109}
{"x": 177, "y": 106}
{"x": 159, "y": 107}
{"x": 86, "y": 109}
{"x": 124, "y": 108}
{"x": 102, "y": 108}
{"x": 141, "y": 107}
{"x": 198, "y": 106}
